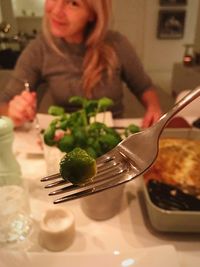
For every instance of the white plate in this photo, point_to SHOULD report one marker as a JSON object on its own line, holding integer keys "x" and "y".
{"x": 26, "y": 140}
{"x": 164, "y": 256}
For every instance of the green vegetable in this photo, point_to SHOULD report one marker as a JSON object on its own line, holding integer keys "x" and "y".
{"x": 82, "y": 140}
{"x": 91, "y": 108}
{"x": 91, "y": 152}
{"x": 108, "y": 141}
{"x": 54, "y": 122}
{"x": 104, "y": 103}
{"x": 66, "y": 143}
{"x": 56, "y": 110}
{"x": 78, "y": 167}
{"x": 77, "y": 100}
{"x": 49, "y": 135}
{"x": 131, "y": 129}
{"x": 80, "y": 136}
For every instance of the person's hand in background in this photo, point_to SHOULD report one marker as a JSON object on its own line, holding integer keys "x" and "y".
{"x": 151, "y": 116}
{"x": 22, "y": 108}
{"x": 153, "y": 109}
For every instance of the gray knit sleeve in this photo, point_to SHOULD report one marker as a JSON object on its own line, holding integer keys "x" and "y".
{"x": 28, "y": 68}
{"x": 132, "y": 71}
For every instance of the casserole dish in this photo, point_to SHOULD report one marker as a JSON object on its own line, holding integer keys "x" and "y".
{"x": 175, "y": 210}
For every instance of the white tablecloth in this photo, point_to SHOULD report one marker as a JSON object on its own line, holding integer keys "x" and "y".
{"x": 127, "y": 232}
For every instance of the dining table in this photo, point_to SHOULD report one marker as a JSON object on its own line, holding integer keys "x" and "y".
{"x": 126, "y": 239}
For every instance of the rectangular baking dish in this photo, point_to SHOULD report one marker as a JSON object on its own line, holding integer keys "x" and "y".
{"x": 168, "y": 220}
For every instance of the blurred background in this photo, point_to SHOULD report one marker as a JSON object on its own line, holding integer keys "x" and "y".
{"x": 170, "y": 57}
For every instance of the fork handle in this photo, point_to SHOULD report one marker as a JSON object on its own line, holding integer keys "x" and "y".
{"x": 179, "y": 106}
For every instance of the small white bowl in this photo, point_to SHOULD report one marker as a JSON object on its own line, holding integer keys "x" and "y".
{"x": 57, "y": 229}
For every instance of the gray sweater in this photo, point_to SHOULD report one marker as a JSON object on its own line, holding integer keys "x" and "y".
{"x": 40, "y": 64}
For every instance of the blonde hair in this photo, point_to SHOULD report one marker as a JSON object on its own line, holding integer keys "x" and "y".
{"x": 100, "y": 57}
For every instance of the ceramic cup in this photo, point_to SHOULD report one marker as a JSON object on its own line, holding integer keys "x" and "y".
{"x": 57, "y": 229}
{"x": 103, "y": 205}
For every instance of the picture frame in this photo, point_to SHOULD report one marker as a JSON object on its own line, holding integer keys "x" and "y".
{"x": 173, "y": 2}
{"x": 171, "y": 24}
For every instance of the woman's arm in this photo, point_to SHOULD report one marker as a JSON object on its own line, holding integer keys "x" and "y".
{"x": 137, "y": 80}
{"x": 21, "y": 108}
{"x": 153, "y": 110}
{"x": 15, "y": 102}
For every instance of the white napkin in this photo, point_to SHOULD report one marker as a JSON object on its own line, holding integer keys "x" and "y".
{"x": 164, "y": 256}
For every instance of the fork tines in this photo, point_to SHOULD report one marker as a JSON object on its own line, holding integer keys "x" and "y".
{"x": 110, "y": 172}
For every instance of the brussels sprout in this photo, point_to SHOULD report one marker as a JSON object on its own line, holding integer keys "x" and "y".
{"x": 64, "y": 124}
{"x": 104, "y": 103}
{"x": 131, "y": 129}
{"x": 91, "y": 151}
{"x": 77, "y": 119}
{"x": 55, "y": 122}
{"x": 77, "y": 100}
{"x": 78, "y": 131}
{"x": 91, "y": 107}
{"x": 96, "y": 128}
{"x": 56, "y": 110}
{"x": 78, "y": 167}
{"x": 66, "y": 143}
{"x": 49, "y": 135}
{"x": 108, "y": 141}
{"x": 97, "y": 147}
{"x": 113, "y": 132}
{"x": 80, "y": 136}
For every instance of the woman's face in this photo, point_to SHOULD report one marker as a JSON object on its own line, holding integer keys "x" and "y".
{"x": 68, "y": 18}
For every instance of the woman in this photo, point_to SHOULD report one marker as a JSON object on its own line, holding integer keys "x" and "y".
{"x": 77, "y": 55}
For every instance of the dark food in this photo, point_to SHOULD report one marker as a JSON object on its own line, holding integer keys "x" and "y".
{"x": 168, "y": 197}
{"x": 196, "y": 123}
{"x": 173, "y": 182}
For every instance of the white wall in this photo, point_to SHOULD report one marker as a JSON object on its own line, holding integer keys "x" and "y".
{"x": 7, "y": 15}
{"x": 138, "y": 20}
{"x": 166, "y": 52}
{"x": 129, "y": 20}
{"x": 160, "y": 54}
{"x": 197, "y": 35}
{"x": 31, "y": 6}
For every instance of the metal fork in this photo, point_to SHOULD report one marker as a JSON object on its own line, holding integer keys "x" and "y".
{"x": 27, "y": 87}
{"x": 129, "y": 159}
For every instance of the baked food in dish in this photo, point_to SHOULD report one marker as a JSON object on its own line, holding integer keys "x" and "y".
{"x": 178, "y": 164}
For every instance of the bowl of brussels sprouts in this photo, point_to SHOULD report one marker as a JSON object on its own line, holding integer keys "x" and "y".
{"x": 81, "y": 129}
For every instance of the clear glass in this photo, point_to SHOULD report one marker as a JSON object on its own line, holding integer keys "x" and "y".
{"x": 15, "y": 220}
{"x": 15, "y": 223}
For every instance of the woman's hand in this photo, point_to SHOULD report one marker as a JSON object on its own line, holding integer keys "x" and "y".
{"x": 153, "y": 109}
{"x": 151, "y": 116}
{"x": 22, "y": 108}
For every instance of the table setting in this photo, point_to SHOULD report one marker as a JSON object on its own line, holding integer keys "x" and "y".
{"x": 125, "y": 238}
